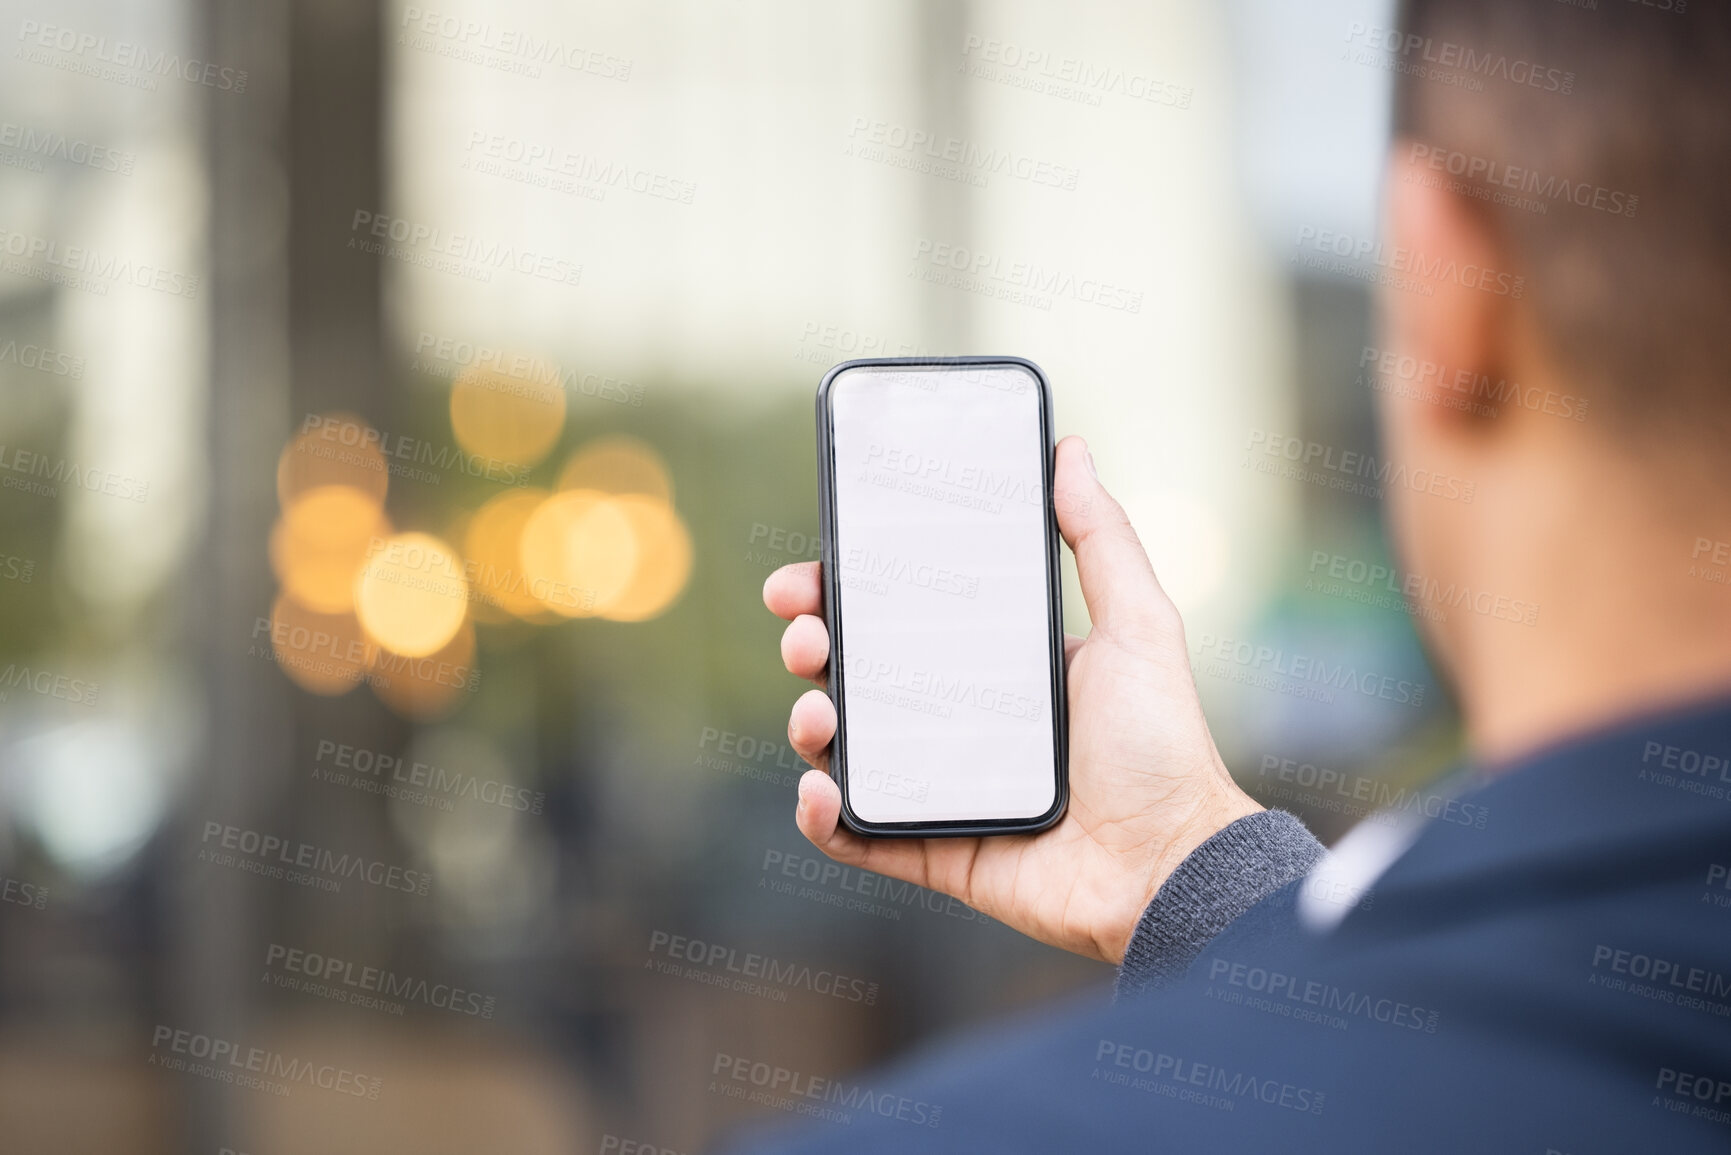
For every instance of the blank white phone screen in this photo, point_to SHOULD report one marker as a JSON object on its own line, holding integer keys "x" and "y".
{"x": 941, "y": 556}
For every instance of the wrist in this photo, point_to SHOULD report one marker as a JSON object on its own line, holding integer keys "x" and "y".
{"x": 1221, "y": 809}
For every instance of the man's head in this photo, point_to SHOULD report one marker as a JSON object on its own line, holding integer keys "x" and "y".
{"x": 1559, "y": 181}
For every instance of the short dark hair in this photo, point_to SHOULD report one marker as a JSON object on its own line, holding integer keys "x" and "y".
{"x": 1595, "y": 138}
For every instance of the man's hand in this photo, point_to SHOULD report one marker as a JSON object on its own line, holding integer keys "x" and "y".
{"x": 1147, "y": 785}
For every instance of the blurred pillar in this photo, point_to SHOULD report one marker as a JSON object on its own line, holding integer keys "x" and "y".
{"x": 336, "y": 166}
{"x": 245, "y": 750}
{"x": 295, "y": 329}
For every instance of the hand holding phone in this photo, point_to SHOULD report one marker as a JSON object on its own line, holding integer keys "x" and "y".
{"x": 1147, "y": 785}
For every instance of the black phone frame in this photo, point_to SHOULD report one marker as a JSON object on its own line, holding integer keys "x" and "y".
{"x": 832, "y": 613}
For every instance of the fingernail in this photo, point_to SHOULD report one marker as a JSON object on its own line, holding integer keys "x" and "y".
{"x": 1091, "y": 469}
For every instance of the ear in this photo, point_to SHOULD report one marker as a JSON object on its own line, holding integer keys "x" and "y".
{"x": 1446, "y": 307}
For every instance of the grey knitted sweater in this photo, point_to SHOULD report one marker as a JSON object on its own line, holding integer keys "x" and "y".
{"x": 1224, "y": 877}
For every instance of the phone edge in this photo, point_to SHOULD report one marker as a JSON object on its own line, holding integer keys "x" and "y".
{"x": 1055, "y": 610}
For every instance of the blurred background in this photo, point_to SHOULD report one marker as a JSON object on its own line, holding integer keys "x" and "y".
{"x": 403, "y": 406}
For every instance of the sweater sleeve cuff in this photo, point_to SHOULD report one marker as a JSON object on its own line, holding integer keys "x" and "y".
{"x": 1238, "y": 867}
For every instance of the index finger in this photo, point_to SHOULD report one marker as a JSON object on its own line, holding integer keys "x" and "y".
{"x": 795, "y": 589}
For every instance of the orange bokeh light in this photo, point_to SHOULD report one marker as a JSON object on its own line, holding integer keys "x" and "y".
{"x": 663, "y": 560}
{"x": 427, "y": 686}
{"x": 506, "y": 418}
{"x": 332, "y": 449}
{"x": 412, "y": 596}
{"x": 321, "y": 653}
{"x": 578, "y": 552}
{"x": 618, "y": 463}
{"x": 493, "y": 545}
{"x": 319, "y": 543}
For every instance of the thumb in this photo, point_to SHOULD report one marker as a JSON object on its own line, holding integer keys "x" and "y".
{"x": 1118, "y": 583}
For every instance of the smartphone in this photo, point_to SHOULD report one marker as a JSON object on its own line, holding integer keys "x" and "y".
{"x": 941, "y": 593}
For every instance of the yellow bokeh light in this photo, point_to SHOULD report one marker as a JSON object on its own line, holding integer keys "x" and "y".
{"x": 506, "y": 418}
{"x": 321, "y": 653}
{"x": 578, "y": 553}
{"x": 428, "y": 686}
{"x": 663, "y": 560}
{"x": 493, "y": 544}
{"x": 332, "y": 449}
{"x": 618, "y": 463}
{"x": 412, "y": 596}
{"x": 319, "y": 543}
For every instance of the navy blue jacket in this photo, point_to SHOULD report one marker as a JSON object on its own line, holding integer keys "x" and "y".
{"x": 1557, "y": 981}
